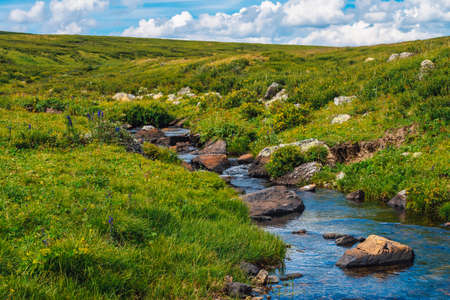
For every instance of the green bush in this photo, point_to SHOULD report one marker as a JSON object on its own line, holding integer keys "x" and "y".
{"x": 153, "y": 114}
{"x": 288, "y": 115}
{"x": 251, "y": 110}
{"x": 155, "y": 152}
{"x": 236, "y": 98}
{"x": 285, "y": 160}
{"x": 43, "y": 105}
{"x": 33, "y": 138}
{"x": 317, "y": 153}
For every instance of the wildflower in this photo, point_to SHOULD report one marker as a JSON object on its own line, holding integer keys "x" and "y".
{"x": 69, "y": 121}
{"x": 117, "y": 129}
{"x": 99, "y": 114}
{"x": 45, "y": 242}
{"x": 29, "y": 126}
{"x": 88, "y": 115}
{"x": 111, "y": 220}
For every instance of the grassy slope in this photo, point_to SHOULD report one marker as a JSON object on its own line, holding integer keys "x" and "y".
{"x": 83, "y": 72}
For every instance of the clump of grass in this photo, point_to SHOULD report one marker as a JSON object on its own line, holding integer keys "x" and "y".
{"x": 155, "y": 152}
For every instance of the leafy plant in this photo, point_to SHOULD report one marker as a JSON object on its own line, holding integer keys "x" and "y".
{"x": 152, "y": 114}
{"x": 285, "y": 160}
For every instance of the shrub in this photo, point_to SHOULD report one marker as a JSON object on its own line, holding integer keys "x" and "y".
{"x": 108, "y": 132}
{"x": 288, "y": 115}
{"x": 154, "y": 152}
{"x": 153, "y": 114}
{"x": 285, "y": 160}
{"x": 317, "y": 153}
{"x": 236, "y": 98}
{"x": 43, "y": 105}
{"x": 251, "y": 110}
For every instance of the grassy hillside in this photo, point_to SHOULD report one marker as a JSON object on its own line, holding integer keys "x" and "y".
{"x": 91, "y": 220}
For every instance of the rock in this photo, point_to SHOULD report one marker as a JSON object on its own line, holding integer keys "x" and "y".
{"x": 187, "y": 166}
{"x": 343, "y": 99}
{"x": 124, "y": 97}
{"x": 304, "y": 146}
{"x": 369, "y": 59}
{"x": 249, "y": 269}
{"x": 51, "y": 110}
{"x": 280, "y": 96}
{"x": 393, "y": 57}
{"x": 332, "y": 235}
{"x": 212, "y": 162}
{"x": 340, "y": 176}
{"x": 426, "y": 65}
{"x": 308, "y": 188}
{"x": 399, "y": 201}
{"x": 261, "y": 218}
{"x": 346, "y": 241}
{"x": 446, "y": 224}
{"x": 257, "y": 298}
{"x": 245, "y": 159}
{"x": 261, "y": 278}
{"x": 275, "y": 201}
{"x": 272, "y": 90}
{"x": 148, "y": 127}
{"x": 376, "y": 251}
{"x": 257, "y": 168}
{"x": 154, "y": 136}
{"x": 300, "y": 174}
{"x": 237, "y": 289}
{"x": 405, "y": 55}
{"x": 186, "y": 91}
{"x": 272, "y": 279}
{"x": 417, "y": 154}
{"x": 214, "y": 147}
{"x": 157, "y": 96}
{"x": 290, "y": 276}
{"x": 357, "y": 196}
{"x": 299, "y": 232}
{"x": 339, "y": 119}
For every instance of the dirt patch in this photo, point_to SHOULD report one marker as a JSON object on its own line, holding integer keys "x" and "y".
{"x": 349, "y": 152}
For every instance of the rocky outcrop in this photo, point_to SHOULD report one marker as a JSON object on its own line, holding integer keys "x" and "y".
{"x": 376, "y": 251}
{"x": 300, "y": 174}
{"x": 214, "y": 147}
{"x": 349, "y": 152}
{"x": 402, "y": 55}
{"x": 343, "y": 99}
{"x": 272, "y": 90}
{"x": 276, "y": 201}
{"x": 356, "y": 196}
{"x": 124, "y": 97}
{"x": 399, "y": 201}
{"x": 280, "y": 96}
{"x": 211, "y": 162}
{"x": 339, "y": 119}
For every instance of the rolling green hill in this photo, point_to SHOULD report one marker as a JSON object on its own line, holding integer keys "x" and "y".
{"x": 81, "y": 217}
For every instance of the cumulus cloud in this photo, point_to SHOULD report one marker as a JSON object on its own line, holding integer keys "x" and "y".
{"x": 35, "y": 14}
{"x": 72, "y": 28}
{"x": 319, "y": 22}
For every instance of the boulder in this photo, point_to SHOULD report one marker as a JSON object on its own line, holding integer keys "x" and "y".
{"x": 376, "y": 251}
{"x": 124, "y": 97}
{"x": 304, "y": 146}
{"x": 245, "y": 159}
{"x": 152, "y": 135}
{"x": 186, "y": 91}
{"x": 332, "y": 235}
{"x": 346, "y": 241}
{"x": 299, "y": 232}
{"x": 214, "y": 147}
{"x": 369, "y": 59}
{"x": 237, "y": 289}
{"x": 261, "y": 278}
{"x": 275, "y": 201}
{"x": 280, "y": 96}
{"x": 300, "y": 174}
{"x": 405, "y": 54}
{"x": 257, "y": 168}
{"x": 357, "y": 196}
{"x": 212, "y": 162}
{"x": 249, "y": 269}
{"x": 339, "y": 119}
{"x": 402, "y": 55}
{"x": 393, "y": 57}
{"x": 343, "y": 99}
{"x": 308, "y": 188}
{"x": 425, "y": 67}
{"x": 272, "y": 90}
{"x": 399, "y": 201}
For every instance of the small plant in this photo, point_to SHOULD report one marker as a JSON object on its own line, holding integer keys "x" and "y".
{"x": 154, "y": 152}
{"x": 33, "y": 138}
{"x": 285, "y": 160}
{"x": 317, "y": 153}
{"x": 251, "y": 110}
{"x": 288, "y": 115}
{"x": 236, "y": 98}
{"x": 153, "y": 114}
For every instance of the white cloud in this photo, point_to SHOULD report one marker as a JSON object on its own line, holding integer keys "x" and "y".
{"x": 62, "y": 10}
{"x": 359, "y": 33}
{"x": 35, "y": 14}
{"x": 72, "y": 28}
{"x": 314, "y": 12}
{"x": 155, "y": 28}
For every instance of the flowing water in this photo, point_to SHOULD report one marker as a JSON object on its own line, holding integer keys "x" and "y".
{"x": 315, "y": 257}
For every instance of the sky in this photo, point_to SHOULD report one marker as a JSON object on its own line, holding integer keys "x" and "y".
{"x": 302, "y": 22}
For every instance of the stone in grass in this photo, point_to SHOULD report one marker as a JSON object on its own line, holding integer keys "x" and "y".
{"x": 249, "y": 268}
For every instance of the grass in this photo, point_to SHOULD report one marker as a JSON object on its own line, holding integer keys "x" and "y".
{"x": 81, "y": 217}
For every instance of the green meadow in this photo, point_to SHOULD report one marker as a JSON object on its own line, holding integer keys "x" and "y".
{"x": 83, "y": 217}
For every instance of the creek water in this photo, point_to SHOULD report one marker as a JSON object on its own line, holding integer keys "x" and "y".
{"x": 315, "y": 257}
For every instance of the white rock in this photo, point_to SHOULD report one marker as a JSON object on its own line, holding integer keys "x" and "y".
{"x": 124, "y": 97}
{"x": 406, "y": 54}
{"x": 417, "y": 154}
{"x": 369, "y": 59}
{"x": 148, "y": 127}
{"x": 340, "y": 176}
{"x": 304, "y": 145}
{"x": 339, "y": 119}
{"x": 158, "y": 96}
{"x": 280, "y": 96}
{"x": 343, "y": 99}
{"x": 393, "y": 56}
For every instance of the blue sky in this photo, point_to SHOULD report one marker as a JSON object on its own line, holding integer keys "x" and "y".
{"x": 317, "y": 22}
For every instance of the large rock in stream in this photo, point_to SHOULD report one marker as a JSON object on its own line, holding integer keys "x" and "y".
{"x": 376, "y": 251}
{"x": 212, "y": 162}
{"x": 275, "y": 201}
{"x": 300, "y": 174}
